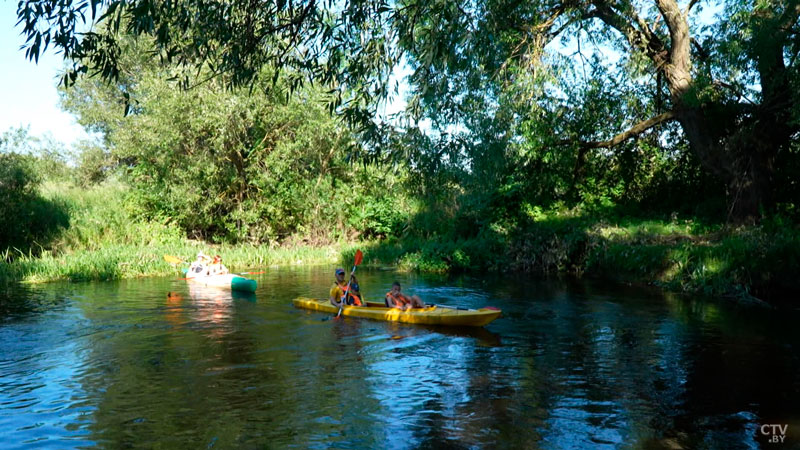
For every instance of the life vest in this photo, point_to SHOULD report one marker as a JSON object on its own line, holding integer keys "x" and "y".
{"x": 356, "y": 299}
{"x": 399, "y": 300}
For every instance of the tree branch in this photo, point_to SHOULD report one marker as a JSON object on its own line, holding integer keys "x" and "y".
{"x": 641, "y": 38}
{"x": 690, "y": 6}
{"x": 789, "y": 16}
{"x": 733, "y": 89}
{"x": 701, "y": 52}
{"x": 633, "y": 131}
{"x": 678, "y": 31}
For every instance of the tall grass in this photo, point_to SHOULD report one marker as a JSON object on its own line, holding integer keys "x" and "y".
{"x": 103, "y": 241}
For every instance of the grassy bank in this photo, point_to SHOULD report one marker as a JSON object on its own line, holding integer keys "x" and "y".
{"x": 678, "y": 254}
{"x": 129, "y": 261}
{"x": 758, "y": 261}
{"x": 103, "y": 242}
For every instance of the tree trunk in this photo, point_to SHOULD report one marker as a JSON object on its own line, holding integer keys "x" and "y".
{"x": 739, "y": 147}
{"x": 741, "y": 151}
{"x": 737, "y": 142}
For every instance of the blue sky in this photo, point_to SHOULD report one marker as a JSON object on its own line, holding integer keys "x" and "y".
{"x": 28, "y": 95}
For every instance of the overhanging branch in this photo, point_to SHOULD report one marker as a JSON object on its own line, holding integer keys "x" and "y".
{"x": 584, "y": 147}
{"x": 631, "y": 132}
{"x": 690, "y": 6}
{"x": 635, "y": 29}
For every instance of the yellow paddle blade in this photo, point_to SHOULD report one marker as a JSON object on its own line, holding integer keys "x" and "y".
{"x": 172, "y": 259}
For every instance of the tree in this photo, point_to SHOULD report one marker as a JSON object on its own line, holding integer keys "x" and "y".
{"x": 338, "y": 46}
{"x": 731, "y": 86}
{"x": 28, "y": 221}
{"x": 229, "y": 164}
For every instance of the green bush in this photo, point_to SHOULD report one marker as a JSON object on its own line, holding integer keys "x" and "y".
{"x": 27, "y": 220}
{"x": 236, "y": 166}
{"x": 94, "y": 165}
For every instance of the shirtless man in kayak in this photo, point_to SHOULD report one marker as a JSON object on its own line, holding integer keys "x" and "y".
{"x": 398, "y": 300}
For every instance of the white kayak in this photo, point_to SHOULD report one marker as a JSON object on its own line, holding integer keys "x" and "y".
{"x": 226, "y": 281}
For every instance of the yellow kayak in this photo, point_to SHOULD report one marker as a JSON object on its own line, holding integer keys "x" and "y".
{"x": 430, "y": 315}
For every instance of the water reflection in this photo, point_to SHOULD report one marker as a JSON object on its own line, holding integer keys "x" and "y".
{"x": 162, "y": 363}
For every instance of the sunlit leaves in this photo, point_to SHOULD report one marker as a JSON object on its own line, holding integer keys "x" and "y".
{"x": 346, "y": 47}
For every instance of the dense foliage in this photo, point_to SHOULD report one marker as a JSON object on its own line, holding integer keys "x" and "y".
{"x": 28, "y": 221}
{"x": 530, "y": 83}
{"x": 605, "y": 101}
{"x": 532, "y": 129}
{"x": 240, "y": 165}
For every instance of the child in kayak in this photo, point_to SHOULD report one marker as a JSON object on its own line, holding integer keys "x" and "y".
{"x": 216, "y": 267}
{"x": 339, "y": 287}
{"x": 398, "y": 300}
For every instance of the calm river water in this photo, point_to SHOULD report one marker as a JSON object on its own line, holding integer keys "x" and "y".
{"x": 569, "y": 365}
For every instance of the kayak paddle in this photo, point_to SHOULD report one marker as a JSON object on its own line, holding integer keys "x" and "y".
{"x": 173, "y": 259}
{"x": 358, "y": 259}
{"x": 461, "y": 308}
{"x": 449, "y": 307}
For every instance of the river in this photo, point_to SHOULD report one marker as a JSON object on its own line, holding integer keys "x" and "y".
{"x": 154, "y": 363}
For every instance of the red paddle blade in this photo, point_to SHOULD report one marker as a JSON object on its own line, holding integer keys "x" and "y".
{"x": 359, "y": 257}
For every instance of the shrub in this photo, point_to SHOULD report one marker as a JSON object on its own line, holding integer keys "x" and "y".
{"x": 27, "y": 220}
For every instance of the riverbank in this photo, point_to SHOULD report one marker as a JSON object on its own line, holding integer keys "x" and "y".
{"x": 682, "y": 255}
{"x": 114, "y": 262}
{"x": 756, "y": 262}
{"x": 104, "y": 242}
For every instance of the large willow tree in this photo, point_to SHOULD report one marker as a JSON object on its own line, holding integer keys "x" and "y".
{"x": 730, "y": 86}
{"x": 729, "y": 83}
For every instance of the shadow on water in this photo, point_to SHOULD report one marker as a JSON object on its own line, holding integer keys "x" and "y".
{"x": 18, "y": 301}
{"x": 481, "y": 335}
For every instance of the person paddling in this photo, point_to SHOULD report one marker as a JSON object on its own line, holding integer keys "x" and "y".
{"x": 198, "y": 266}
{"x": 340, "y": 286}
{"x": 398, "y": 300}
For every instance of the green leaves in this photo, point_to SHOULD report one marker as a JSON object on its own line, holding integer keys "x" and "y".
{"x": 344, "y": 46}
{"x": 27, "y": 220}
{"x": 235, "y": 165}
